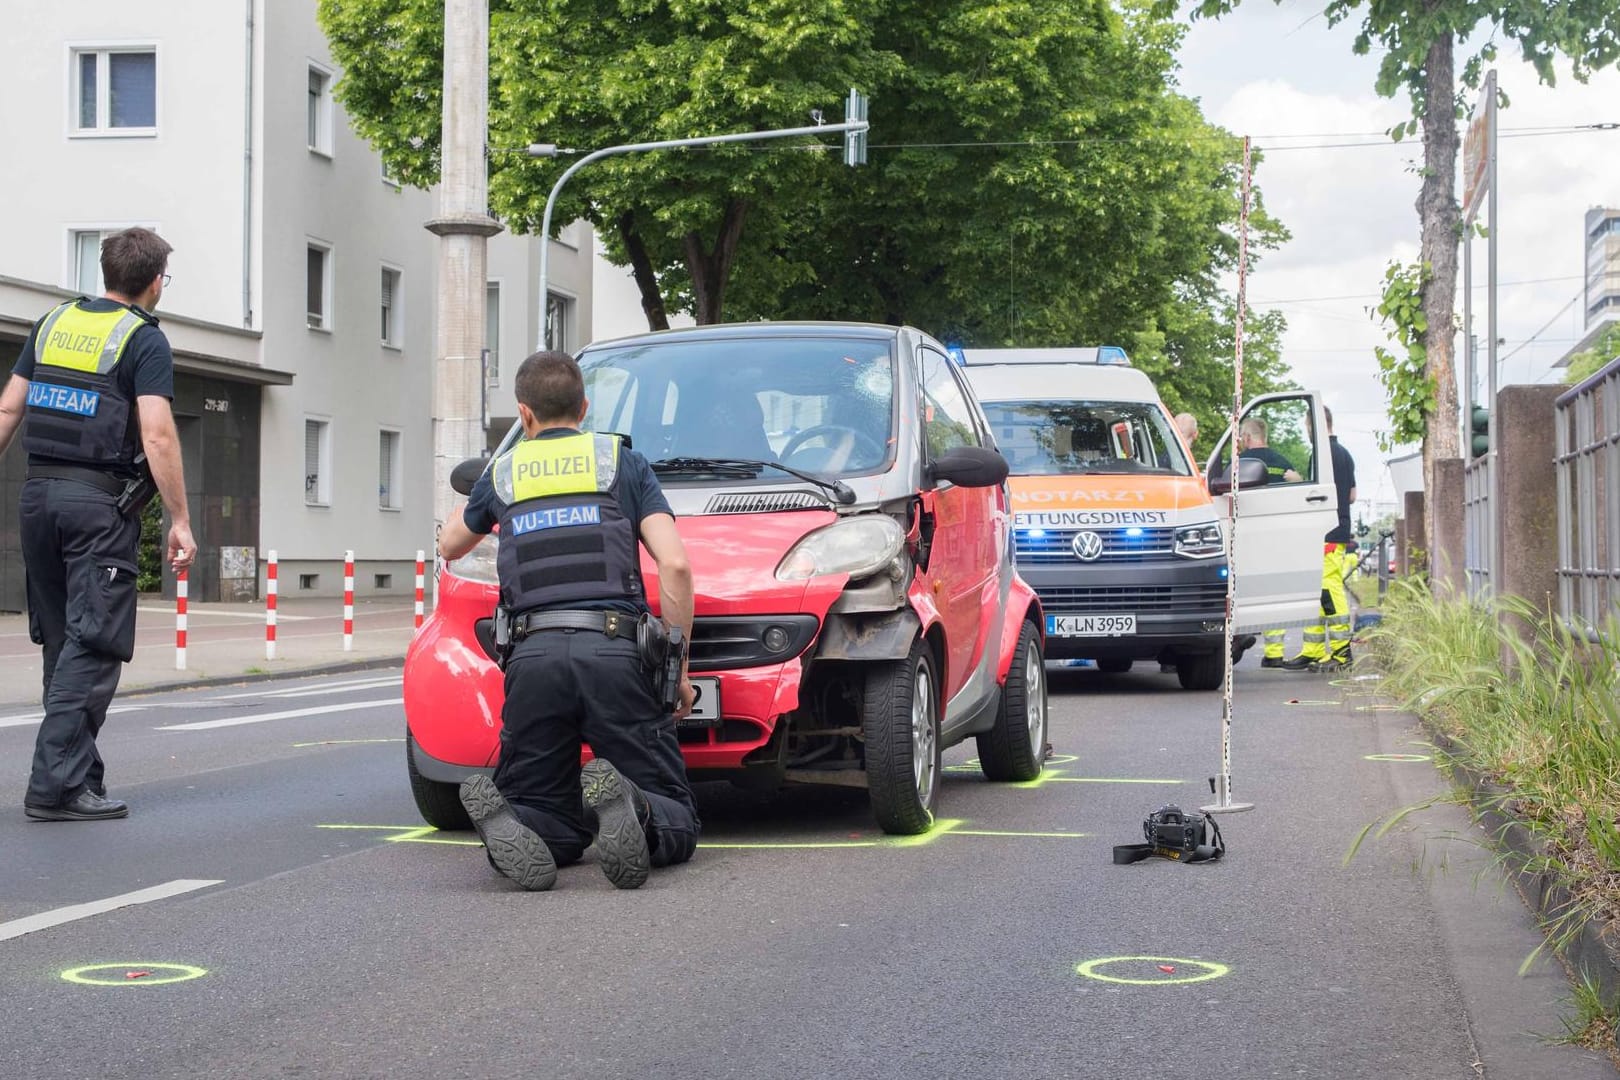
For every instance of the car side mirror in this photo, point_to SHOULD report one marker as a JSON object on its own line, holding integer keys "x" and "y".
{"x": 465, "y": 475}
{"x": 1251, "y": 473}
{"x": 969, "y": 466}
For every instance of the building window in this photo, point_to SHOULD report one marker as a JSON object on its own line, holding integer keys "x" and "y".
{"x": 318, "y": 287}
{"x": 559, "y": 313}
{"x": 492, "y": 333}
{"x": 388, "y": 471}
{"x": 318, "y": 120}
{"x": 317, "y": 463}
{"x": 87, "y": 261}
{"x": 115, "y": 90}
{"x": 391, "y": 298}
{"x": 389, "y": 178}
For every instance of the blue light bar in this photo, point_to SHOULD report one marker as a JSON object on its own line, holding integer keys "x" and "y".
{"x": 1134, "y": 530}
{"x": 1112, "y": 354}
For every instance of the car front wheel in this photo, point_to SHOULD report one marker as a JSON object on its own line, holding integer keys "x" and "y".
{"x": 439, "y": 803}
{"x": 1015, "y": 748}
{"x": 900, "y": 723}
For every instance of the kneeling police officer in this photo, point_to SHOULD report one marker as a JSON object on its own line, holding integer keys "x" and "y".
{"x": 582, "y": 652}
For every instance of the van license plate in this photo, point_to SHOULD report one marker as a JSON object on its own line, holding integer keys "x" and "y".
{"x": 706, "y": 710}
{"x": 1090, "y": 625}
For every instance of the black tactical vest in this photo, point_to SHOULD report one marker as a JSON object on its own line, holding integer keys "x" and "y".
{"x": 76, "y": 411}
{"x": 564, "y": 538}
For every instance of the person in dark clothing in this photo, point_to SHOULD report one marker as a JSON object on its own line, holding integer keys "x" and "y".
{"x": 1327, "y": 644}
{"x": 90, "y": 393}
{"x": 574, "y": 508}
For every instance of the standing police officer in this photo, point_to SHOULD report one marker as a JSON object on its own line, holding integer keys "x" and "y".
{"x": 91, "y": 392}
{"x": 1327, "y": 643}
{"x": 572, "y": 507}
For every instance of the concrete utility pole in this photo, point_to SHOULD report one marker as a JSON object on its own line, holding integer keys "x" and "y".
{"x": 463, "y": 227}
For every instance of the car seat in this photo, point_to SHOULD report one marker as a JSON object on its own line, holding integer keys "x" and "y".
{"x": 725, "y": 423}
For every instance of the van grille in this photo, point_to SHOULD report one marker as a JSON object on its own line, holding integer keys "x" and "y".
{"x": 1039, "y": 545}
{"x": 1198, "y": 599}
{"x": 763, "y": 503}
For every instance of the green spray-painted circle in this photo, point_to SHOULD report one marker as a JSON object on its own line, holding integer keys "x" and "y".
{"x": 1379, "y": 707}
{"x": 1062, "y": 759}
{"x": 1312, "y": 701}
{"x": 1211, "y": 970}
{"x": 85, "y": 976}
{"x": 1398, "y": 757}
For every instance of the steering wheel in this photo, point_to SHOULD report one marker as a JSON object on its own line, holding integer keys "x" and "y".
{"x": 841, "y": 442}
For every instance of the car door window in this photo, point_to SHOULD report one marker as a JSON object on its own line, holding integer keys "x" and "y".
{"x": 1279, "y": 433}
{"x": 947, "y": 418}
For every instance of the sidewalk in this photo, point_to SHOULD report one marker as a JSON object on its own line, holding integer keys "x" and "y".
{"x": 225, "y": 643}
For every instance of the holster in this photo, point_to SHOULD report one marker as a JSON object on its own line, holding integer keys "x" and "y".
{"x": 138, "y": 490}
{"x": 663, "y": 654}
{"x": 503, "y": 637}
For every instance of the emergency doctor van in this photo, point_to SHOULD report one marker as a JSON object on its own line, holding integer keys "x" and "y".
{"x": 1120, "y": 535}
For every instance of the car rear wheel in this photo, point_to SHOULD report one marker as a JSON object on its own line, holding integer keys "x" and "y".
{"x": 900, "y": 722}
{"x": 1015, "y": 748}
{"x": 1113, "y": 665}
{"x": 439, "y": 803}
{"x": 1202, "y": 672}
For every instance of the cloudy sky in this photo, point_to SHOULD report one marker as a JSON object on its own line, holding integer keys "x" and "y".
{"x": 1281, "y": 75}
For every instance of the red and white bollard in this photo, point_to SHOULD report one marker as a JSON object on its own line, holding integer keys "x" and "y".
{"x": 180, "y": 620}
{"x": 348, "y": 601}
{"x": 421, "y": 567}
{"x": 270, "y": 607}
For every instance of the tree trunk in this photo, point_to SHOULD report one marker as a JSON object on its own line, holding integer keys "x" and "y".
{"x": 711, "y": 269}
{"x": 1439, "y": 216}
{"x": 652, "y": 298}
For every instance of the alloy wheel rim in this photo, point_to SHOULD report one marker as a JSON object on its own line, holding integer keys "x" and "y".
{"x": 1034, "y": 690}
{"x": 922, "y": 734}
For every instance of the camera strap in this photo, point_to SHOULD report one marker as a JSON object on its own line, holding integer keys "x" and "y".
{"x": 1125, "y": 854}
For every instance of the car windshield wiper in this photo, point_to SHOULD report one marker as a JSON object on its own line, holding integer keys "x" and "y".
{"x": 751, "y": 467}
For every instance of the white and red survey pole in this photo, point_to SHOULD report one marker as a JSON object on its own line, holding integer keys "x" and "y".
{"x": 348, "y": 601}
{"x": 180, "y": 619}
{"x": 270, "y": 588}
{"x": 421, "y": 576}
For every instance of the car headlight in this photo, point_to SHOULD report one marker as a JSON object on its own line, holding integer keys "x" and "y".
{"x": 479, "y": 563}
{"x": 857, "y": 546}
{"x": 1201, "y": 541}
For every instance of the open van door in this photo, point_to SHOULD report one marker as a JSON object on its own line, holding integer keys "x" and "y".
{"x": 1281, "y": 521}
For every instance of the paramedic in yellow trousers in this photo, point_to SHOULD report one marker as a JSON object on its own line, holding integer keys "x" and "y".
{"x": 1327, "y": 644}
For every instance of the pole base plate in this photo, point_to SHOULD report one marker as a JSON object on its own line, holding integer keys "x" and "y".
{"x": 1227, "y": 808}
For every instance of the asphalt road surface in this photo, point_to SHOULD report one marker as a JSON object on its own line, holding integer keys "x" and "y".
{"x": 274, "y": 908}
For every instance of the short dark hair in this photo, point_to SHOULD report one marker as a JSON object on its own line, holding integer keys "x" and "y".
{"x": 131, "y": 259}
{"x": 551, "y": 385}
{"x": 1328, "y": 413}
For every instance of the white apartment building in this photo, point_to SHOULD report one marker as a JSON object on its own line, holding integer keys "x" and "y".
{"x": 1601, "y": 296}
{"x": 301, "y": 308}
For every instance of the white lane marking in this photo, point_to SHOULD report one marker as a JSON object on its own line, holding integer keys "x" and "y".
{"x": 57, "y": 916}
{"x": 351, "y": 686}
{"x": 318, "y": 710}
{"x": 257, "y": 616}
{"x": 24, "y": 719}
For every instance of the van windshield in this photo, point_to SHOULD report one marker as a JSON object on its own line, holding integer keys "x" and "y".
{"x": 1054, "y": 438}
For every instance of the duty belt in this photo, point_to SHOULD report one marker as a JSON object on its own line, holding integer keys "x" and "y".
{"x": 112, "y": 485}
{"x": 615, "y": 624}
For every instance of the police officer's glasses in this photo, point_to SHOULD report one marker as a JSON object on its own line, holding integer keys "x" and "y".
{"x": 165, "y": 281}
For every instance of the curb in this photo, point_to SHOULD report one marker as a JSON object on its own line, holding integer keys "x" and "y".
{"x": 1587, "y": 952}
{"x": 241, "y": 679}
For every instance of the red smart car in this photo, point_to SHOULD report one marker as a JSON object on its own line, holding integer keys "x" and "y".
{"x": 846, "y": 517}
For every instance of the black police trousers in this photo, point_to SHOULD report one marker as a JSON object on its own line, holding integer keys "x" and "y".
{"x": 568, "y": 686}
{"x": 79, "y": 553}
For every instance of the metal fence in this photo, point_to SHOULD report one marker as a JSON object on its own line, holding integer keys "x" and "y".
{"x": 1588, "y": 463}
{"x": 1479, "y": 526}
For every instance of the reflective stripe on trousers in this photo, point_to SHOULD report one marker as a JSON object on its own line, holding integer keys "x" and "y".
{"x": 1275, "y": 643}
{"x": 1331, "y": 636}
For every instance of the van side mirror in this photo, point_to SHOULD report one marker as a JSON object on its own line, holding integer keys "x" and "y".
{"x": 1251, "y": 473}
{"x": 465, "y": 475}
{"x": 969, "y": 466}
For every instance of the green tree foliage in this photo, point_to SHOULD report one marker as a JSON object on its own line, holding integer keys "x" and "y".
{"x": 1033, "y": 177}
{"x": 1589, "y": 362}
{"x": 1404, "y": 372}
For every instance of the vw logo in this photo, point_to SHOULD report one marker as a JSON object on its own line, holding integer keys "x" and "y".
{"x": 1087, "y": 546}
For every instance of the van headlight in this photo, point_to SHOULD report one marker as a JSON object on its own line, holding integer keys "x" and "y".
{"x": 479, "y": 563}
{"x": 1201, "y": 541}
{"x": 857, "y": 546}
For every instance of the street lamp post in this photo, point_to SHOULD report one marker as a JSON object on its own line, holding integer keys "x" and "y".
{"x": 546, "y": 150}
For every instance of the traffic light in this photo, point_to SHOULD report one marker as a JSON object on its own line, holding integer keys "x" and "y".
{"x": 1479, "y": 424}
{"x": 855, "y": 141}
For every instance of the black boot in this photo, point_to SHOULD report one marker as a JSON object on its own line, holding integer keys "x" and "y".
{"x": 622, "y": 816}
{"x": 512, "y": 847}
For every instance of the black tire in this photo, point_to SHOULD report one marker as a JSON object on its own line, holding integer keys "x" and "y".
{"x": 902, "y": 776}
{"x": 438, "y": 803}
{"x": 1113, "y": 665}
{"x": 1016, "y": 747}
{"x": 1202, "y": 672}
